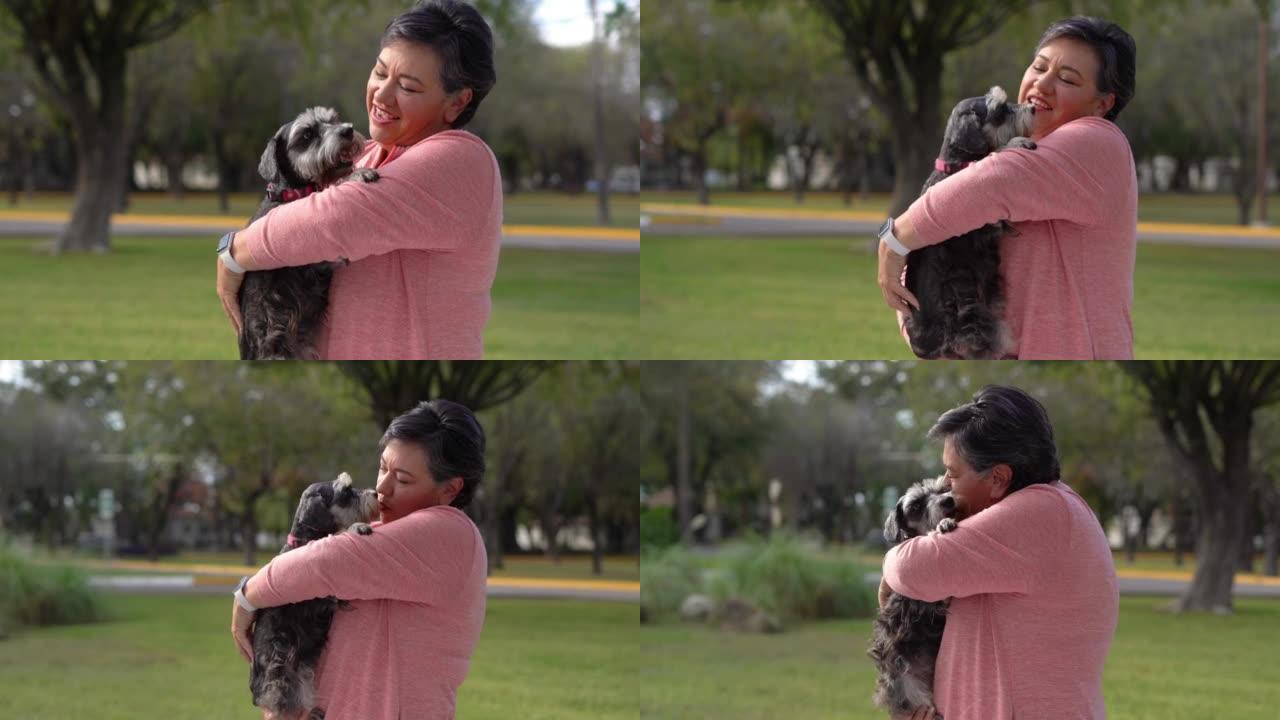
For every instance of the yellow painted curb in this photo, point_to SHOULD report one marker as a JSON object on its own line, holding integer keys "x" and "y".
{"x": 620, "y": 585}
{"x": 235, "y": 223}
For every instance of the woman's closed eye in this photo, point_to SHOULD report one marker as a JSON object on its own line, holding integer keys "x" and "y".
{"x": 382, "y": 75}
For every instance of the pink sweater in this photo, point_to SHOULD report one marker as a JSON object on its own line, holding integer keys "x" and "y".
{"x": 423, "y": 244}
{"x": 417, "y": 592}
{"x": 1034, "y": 607}
{"x": 1068, "y": 271}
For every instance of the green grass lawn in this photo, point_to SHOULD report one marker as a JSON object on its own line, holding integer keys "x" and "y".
{"x": 153, "y": 298}
{"x": 171, "y": 657}
{"x": 1152, "y": 207}
{"x": 1190, "y": 667}
{"x": 528, "y": 208}
{"x": 713, "y": 297}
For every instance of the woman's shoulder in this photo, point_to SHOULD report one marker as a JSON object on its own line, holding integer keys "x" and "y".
{"x": 1089, "y": 134}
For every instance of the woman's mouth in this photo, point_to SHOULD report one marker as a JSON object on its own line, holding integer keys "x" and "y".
{"x": 381, "y": 117}
{"x": 1039, "y": 104}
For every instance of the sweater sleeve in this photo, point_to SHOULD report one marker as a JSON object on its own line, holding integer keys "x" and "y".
{"x": 434, "y": 197}
{"x": 418, "y": 558}
{"x": 995, "y": 551}
{"x": 1078, "y": 173}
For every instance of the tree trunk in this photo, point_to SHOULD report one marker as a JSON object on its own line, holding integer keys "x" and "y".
{"x": 914, "y": 149}
{"x": 684, "y": 439}
{"x": 173, "y": 162}
{"x": 700, "y": 174}
{"x": 99, "y": 175}
{"x": 222, "y": 167}
{"x": 597, "y": 101}
{"x": 593, "y": 522}
{"x": 1222, "y": 524}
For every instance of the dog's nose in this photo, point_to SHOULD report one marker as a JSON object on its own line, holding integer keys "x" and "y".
{"x": 347, "y": 130}
{"x": 948, "y": 502}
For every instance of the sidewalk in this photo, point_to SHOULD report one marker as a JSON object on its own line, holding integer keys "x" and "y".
{"x": 171, "y": 577}
{"x": 682, "y": 219}
{"x": 49, "y": 222}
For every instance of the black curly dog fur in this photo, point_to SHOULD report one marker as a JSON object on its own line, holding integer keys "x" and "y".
{"x": 287, "y": 640}
{"x": 282, "y": 309}
{"x": 908, "y": 633}
{"x": 957, "y": 282}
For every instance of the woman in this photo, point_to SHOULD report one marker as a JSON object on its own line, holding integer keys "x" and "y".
{"x": 1068, "y": 267}
{"x": 416, "y": 584}
{"x": 1034, "y": 596}
{"x": 423, "y": 240}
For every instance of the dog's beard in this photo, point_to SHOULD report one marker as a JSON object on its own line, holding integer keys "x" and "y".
{"x": 331, "y": 161}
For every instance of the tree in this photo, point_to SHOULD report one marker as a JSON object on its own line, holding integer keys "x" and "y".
{"x": 393, "y": 387}
{"x": 897, "y": 50}
{"x": 80, "y": 51}
{"x": 1206, "y": 412}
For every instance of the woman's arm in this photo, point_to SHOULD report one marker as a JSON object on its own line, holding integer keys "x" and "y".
{"x": 1076, "y": 173}
{"x": 998, "y": 550}
{"x": 417, "y": 558}
{"x": 436, "y": 196}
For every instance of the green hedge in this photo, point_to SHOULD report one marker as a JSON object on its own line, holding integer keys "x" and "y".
{"x": 33, "y": 594}
{"x": 781, "y": 575}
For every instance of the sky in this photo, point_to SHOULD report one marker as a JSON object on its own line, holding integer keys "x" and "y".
{"x": 567, "y": 22}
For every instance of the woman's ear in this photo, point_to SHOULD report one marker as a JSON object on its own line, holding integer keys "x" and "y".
{"x": 451, "y": 490}
{"x": 457, "y": 103}
{"x": 1105, "y": 103}
{"x": 1001, "y": 477}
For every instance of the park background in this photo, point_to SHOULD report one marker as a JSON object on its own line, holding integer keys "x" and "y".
{"x": 765, "y": 491}
{"x": 133, "y": 495}
{"x": 776, "y": 138}
{"x": 159, "y": 111}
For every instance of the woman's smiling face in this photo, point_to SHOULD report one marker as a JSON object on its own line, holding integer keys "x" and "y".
{"x": 405, "y": 97}
{"x": 1062, "y": 84}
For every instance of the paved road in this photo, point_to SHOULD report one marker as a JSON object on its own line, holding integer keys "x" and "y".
{"x": 1143, "y": 584}
{"x": 658, "y": 219}
{"x": 29, "y": 223}
{"x": 498, "y": 587}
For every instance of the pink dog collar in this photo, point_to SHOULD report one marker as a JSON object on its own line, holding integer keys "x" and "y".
{"x": 949, "y": 168}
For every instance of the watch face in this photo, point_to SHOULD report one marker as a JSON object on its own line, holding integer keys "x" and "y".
{"x": 224, "y": 242}
{"x": 884, "y": 229}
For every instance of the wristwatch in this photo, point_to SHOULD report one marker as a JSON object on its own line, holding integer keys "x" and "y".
{"x": 224, "y": 253}
{"x": 239, "y": 595}
{"x": 886, "y": 237}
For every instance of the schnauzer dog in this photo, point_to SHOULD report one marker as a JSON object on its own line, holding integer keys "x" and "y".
{"x": 908, "y": 632}
{"x": 287, "y": 640}
{"x": 282, "y": 309}
{"x": 958, "y": 281}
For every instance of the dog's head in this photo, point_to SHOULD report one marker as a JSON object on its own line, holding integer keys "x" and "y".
{"x": 919, "y": 510}
{"x": 330, "y": 507}
{"x": 315, "y": 148}
{"x": 979, "y": 126}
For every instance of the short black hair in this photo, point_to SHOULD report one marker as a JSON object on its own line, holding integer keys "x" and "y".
{"x": 462, "y": 39}
{"x": 1003, "y": 425}
{"x": 452, "y": 438}
{"x": 1116, "y": 51}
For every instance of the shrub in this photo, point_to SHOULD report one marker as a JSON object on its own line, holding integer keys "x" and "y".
{"x": 43, "y": 595}
{"x": 658, "y": 528}
{"x": 667, "y": 577}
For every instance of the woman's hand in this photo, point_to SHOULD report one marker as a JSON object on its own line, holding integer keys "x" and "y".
{"x": 889, "y": 276}
{"x": 229, "y": 293}
{"x": 242, "y": 629}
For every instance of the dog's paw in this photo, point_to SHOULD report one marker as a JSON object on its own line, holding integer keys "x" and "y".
{"x": 1021, "y": 142}
{"x": 362, "y": 529}
{"x": 946, "y": 525}
{"x": 367, "y": 175}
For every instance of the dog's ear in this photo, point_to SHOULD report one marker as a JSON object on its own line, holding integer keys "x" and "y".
{"x": 893, "y": 525}
{"x": 269, "y": 166}
{"x": 996, "y": 97}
